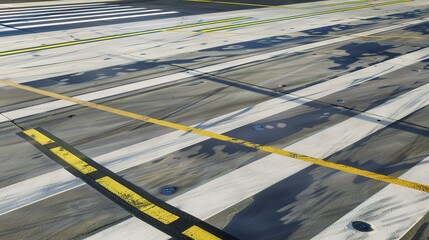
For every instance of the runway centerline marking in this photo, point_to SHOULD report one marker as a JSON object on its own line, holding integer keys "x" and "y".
{"x": 117, "y": 36}
{"x": 225, "y": 138}
{"x": 132, "y": 198}
{"x": 259, "y": 22}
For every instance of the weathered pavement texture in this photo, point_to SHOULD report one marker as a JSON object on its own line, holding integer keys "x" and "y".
{"x": 345, "y": 82}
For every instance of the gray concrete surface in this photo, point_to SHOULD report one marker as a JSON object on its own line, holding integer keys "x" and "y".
{"x": 297, "y": 207}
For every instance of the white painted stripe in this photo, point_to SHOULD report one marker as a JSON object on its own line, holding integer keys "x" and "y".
{"x": 6, "y": 29}
{"x": 82, "y": 14}
{"x": 50, "y": 6}
{"x": 96, "y": 20}
{"x": 41, "y": 108}
{"x": 391, "y": 212}
{"x": 133, "y": 11}
{"x": 219, "y": 194}
{"x": 386, "y": 66}
{"x": 59, "y": 12}
{"x": 79, "y": 13}
{"x": 58, "y": 8}
{"x": 41, "y": 187}
{"x": 3, "y": 118}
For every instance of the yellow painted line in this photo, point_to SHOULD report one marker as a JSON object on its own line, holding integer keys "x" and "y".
{"x": 317, "y": 35}
{"x": 74, "y": 161}
{"x": 224, "y": 138}
{"x": 38, "y": 137}
{"x": 241, "y": 4}
{"x": 282, "y": 6}
{"x": 299, "y": 16}
{"x": 137, "y": 201}
{"x": 338, "y": 4}
{"x": 198, "y": 233}
{"x": 105, "y": 38}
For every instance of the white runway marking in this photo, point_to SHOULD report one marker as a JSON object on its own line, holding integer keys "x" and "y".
{"x": 170, "y": 49}
{"x": 381, "y": 68}
{"x": 391, "y": 212}
{"x": 219, "y": 194}
{"x": 3, "y": 119}
{"x": 6, "y": 29}
{"x": 129, "y": 11}
{"x": 97, "y": 19}
{"x": 38, "y": 188}
{"x": 54, "y": 8}
{"x": 74, "y": 13}
{"x": 66, "y": 15}
{"x": 56, "y": 12}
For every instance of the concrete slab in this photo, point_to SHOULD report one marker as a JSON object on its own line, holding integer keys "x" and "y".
{"x": 349, "y": 87}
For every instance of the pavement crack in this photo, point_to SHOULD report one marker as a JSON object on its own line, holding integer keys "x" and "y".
{"x": 12, "y": 121}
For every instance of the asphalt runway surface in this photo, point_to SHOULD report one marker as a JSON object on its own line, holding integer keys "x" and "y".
{"x": 214, "y": 119}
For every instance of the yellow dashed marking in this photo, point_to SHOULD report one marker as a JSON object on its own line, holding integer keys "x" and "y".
{"x": 137, "y": 201}
{"x": 198, "y": 233}
{"x": 38, "y": 137}
{"x": 74, "y": 161}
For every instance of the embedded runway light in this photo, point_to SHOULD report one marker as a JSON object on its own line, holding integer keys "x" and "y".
{"x": 362, "y": 226}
